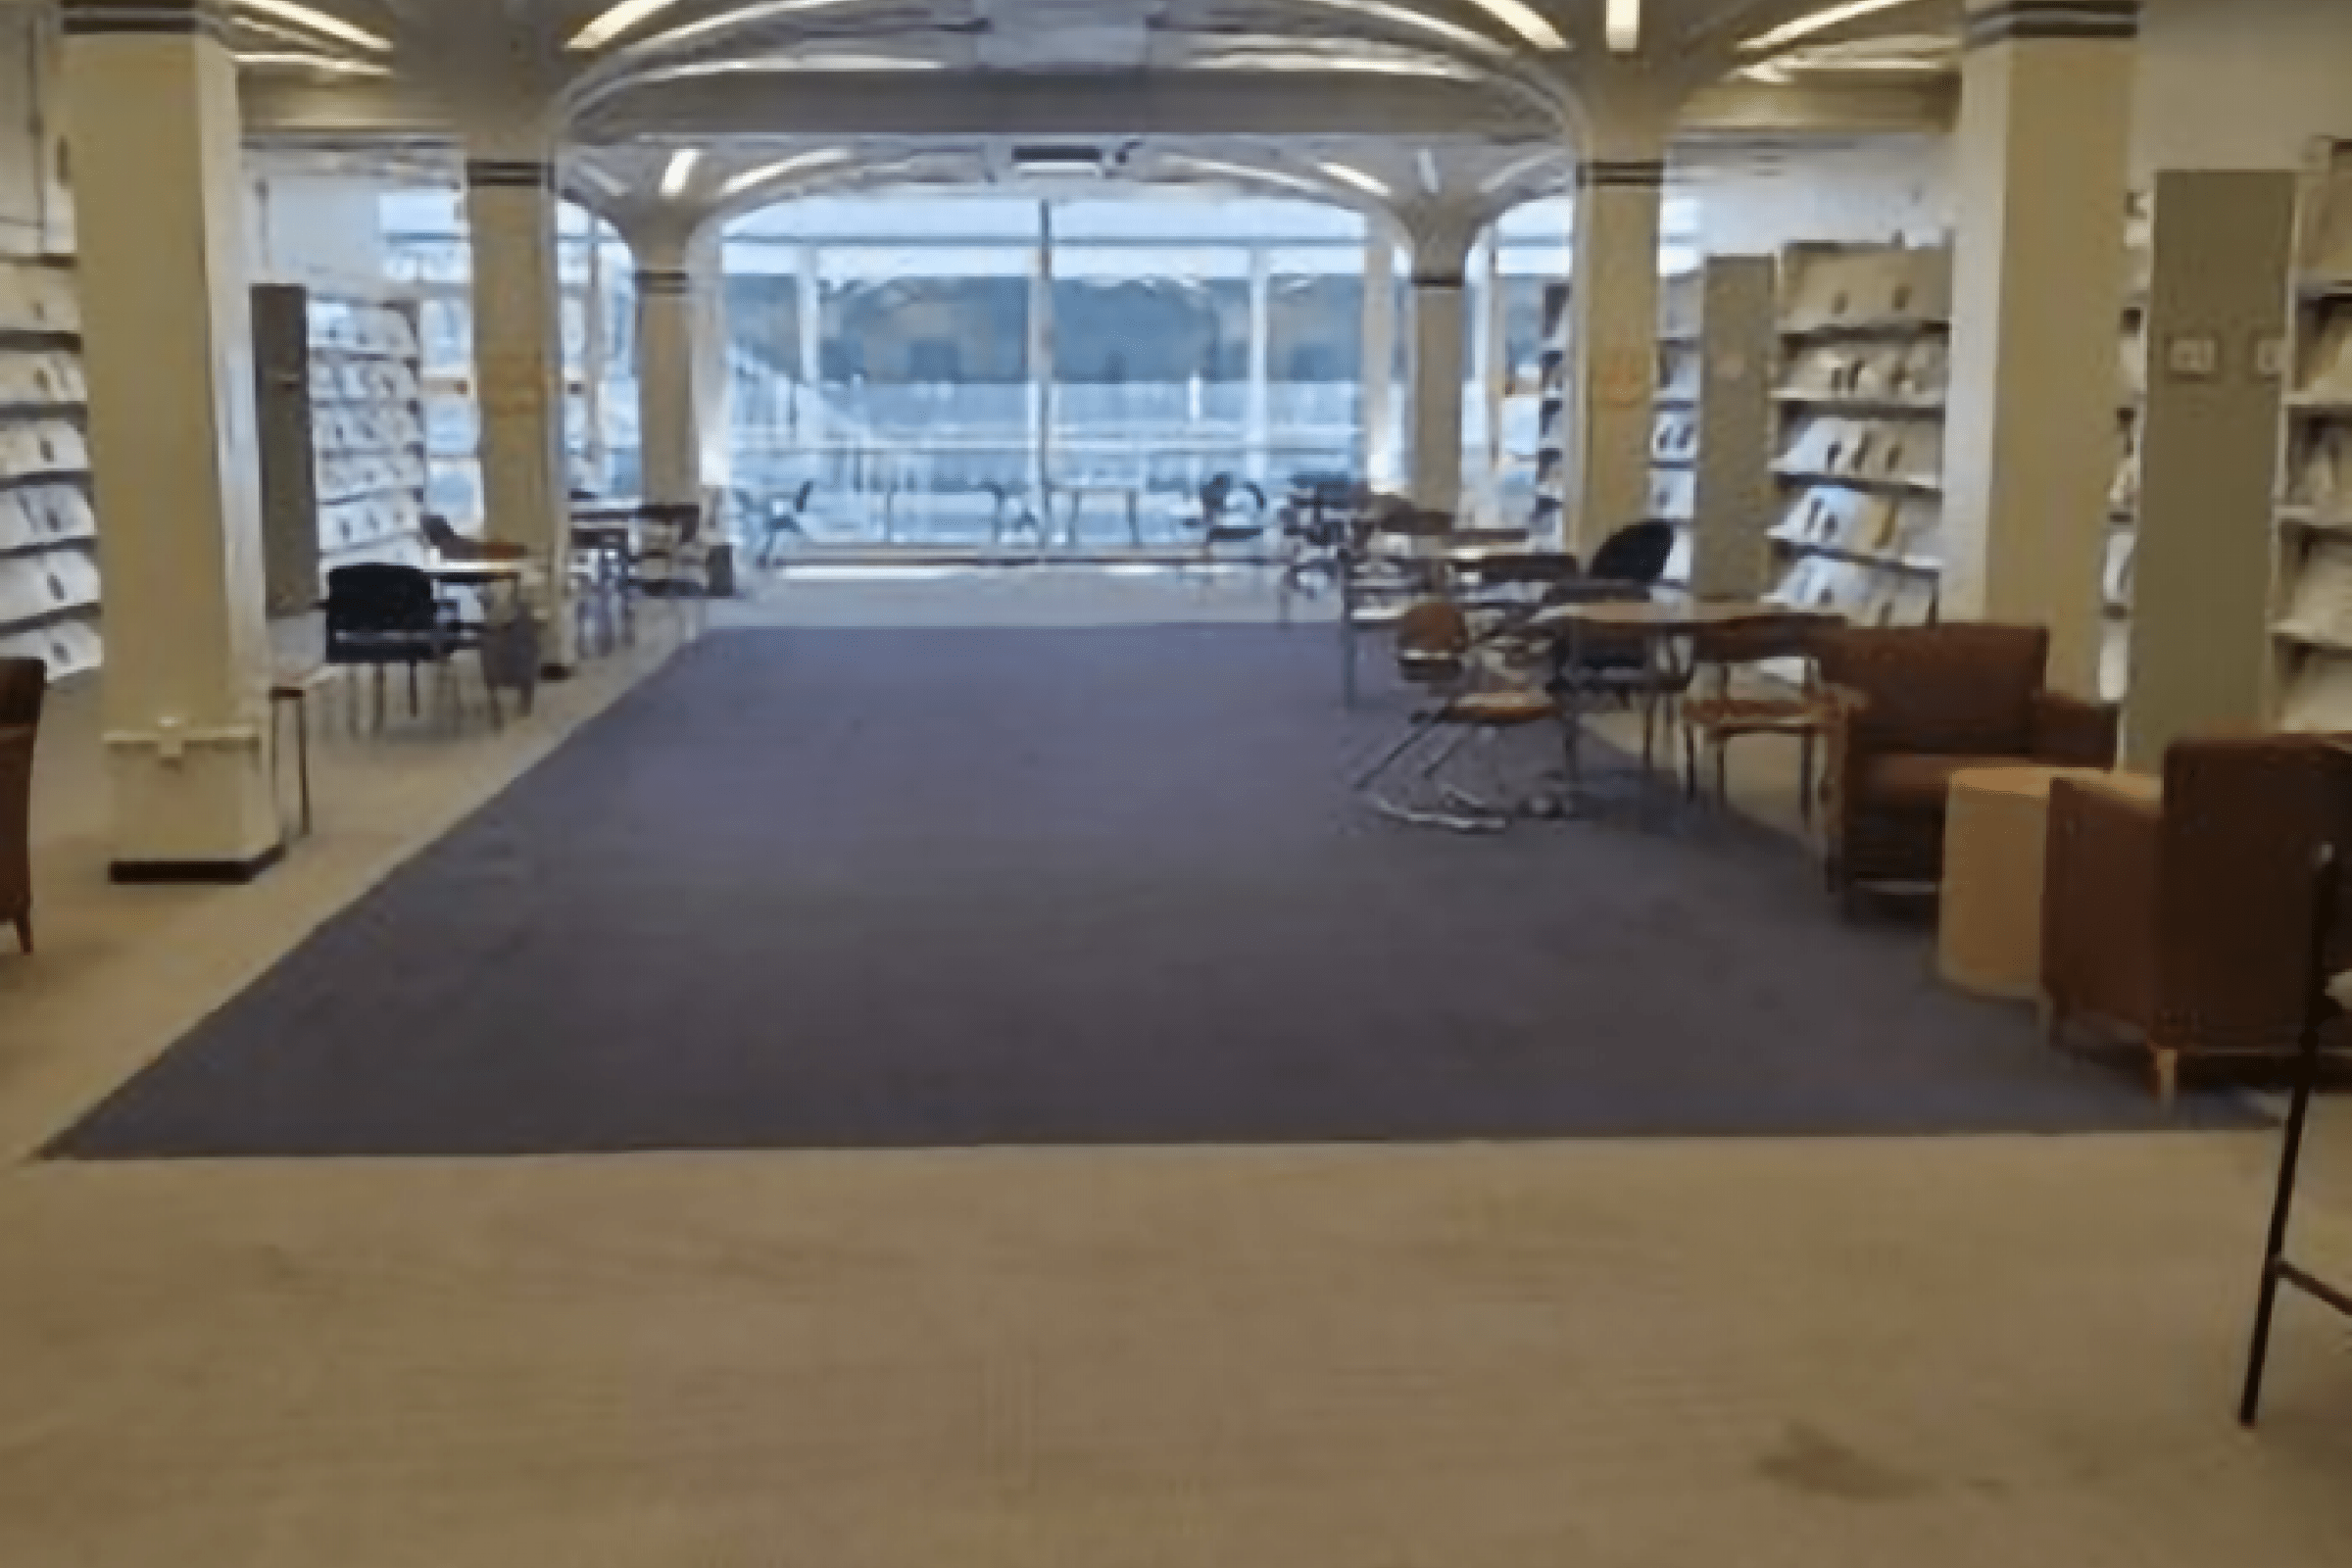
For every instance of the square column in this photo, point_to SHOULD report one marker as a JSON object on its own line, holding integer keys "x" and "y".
{"x": 2042, "y": 169}
{"x": 519, "y": 375}
{"x": 668, "y": 423}
{"x": 1439, "y": 320}
{"x": 1257, "y": 430}
{"x": 713, "y": 361}
{"x": 1613, "y": 345}
{"x": 1379, "y": 368}
{"x": 150, "y": 101}
{"x": 1490, "y": 361}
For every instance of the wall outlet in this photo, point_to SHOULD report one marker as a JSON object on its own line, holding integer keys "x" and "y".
{"x": 2193, "y": 359}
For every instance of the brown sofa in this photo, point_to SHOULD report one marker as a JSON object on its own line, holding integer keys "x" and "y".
{"x": 2191, "y": 923}
{"x": 23, "y": 683}
{"x": 1908, "y": 707}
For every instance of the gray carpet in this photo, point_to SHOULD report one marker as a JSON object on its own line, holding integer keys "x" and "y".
{"x": 851, "y": 889}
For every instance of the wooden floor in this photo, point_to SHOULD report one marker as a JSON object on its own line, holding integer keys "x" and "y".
{"x": 1959, "y": 1352}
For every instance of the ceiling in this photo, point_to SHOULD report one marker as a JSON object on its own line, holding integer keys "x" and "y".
{"x": 1410, "y": 98}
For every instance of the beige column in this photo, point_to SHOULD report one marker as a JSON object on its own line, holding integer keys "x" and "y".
{"x": 1492, "y": 363}
{"x": 713, "y": 364}
{"x": 1258, "y": 411}
{"x": 1441, "y": 337}
{"x": 518, "y": 369}
{"x": 151, "y": 106}
{"x": 667, "y": 393}
{"x": 1379, "y": 370}
{"x": 2041, "y": 163}
{"x": 1613, "y": 339}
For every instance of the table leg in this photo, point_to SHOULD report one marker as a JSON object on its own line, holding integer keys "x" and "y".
{"x": 302, "y": 757}
{"x": 1348, "y": 628}
{"x": 1573, "y": 718}
{"x": 1135, "y": 518}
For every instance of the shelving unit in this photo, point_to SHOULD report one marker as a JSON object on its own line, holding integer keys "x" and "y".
{"x": 1552, "y": 417}
{"x": 1711, "y": 448}
{"x": 49, "y": 583}
{"x": 1865, "y": 349}
{"x": 343, "y": 436}
{"x": 2122, "y": 496}
{"x": 2311, "y": 632}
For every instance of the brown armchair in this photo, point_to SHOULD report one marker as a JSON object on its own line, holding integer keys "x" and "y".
{"x": 1909, "y": 707}
{"x": 2189, "y": 922}
{"x": 23, "y": 683}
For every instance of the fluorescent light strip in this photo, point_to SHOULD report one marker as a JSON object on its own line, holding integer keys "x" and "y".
{"x": 1370, "y": 184}
{"x": 283, "y": 58}
{"x": 1407, "y": 17}
{"x": 743, "y": 15}
{"x": 1821, "y": 22}
{"x": 1223, "y": 170}
{"x": 798, "y": 163}
{"x": 618, "y": 19}
{"x": 319, "y": 22}
{"x": 1525, "y": 21}
{"x": 674, "y": 179}
{"x": 1622, "y": 26}
{"x": 1363, "y": 65}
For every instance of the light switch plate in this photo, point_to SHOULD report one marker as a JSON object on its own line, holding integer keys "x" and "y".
{"x": 2193, "y": 359}
{"x": 2270, "y": 357}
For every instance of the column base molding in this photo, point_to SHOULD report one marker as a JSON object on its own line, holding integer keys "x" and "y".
{"x": 195, "y": 873}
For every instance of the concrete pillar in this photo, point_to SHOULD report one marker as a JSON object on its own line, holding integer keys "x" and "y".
{"x": 595, "y": 349}
{"x": 1613, "y": 338}
{"x": 1258, "y": 429}
{"x": 1440, "y": 326}
{"x": 151, "y": 106}
{"x": 669, "y": 392}
{"x": 1379, "y": 370}
{"x": 810, "y": 314}
{"x": 1040, "y": 367}
{"x": 714, "y": 359}
{"x": 1491, "y": 367}
{"x": 2042, "y": 164}
{"x": 518, "y": 368}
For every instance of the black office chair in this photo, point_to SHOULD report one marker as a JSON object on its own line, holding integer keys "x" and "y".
{"x": 1635, "y": 555}
{"x": 380, "y": 614}
{"x": 1218, "y": 523}
{"x": 787, "y": 518}
{"x": 1627, "y": 565}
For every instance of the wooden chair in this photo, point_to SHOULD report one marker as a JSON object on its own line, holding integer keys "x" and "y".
{"x": 23, "y": 687}
{"x": 1434, "y": 649}
{"x": 1714, "y": 720}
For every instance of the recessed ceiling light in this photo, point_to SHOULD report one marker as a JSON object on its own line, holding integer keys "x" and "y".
{"x": 1622, "y": 26}
{"x": 1821, "y": 22}
{"x": 1370, "y": 184}
{"x": 1242, "y": 172}
{"x": 319, "y": 22}
{"x": 1303, "y": 61}
{"x": 680, "y": 170}
{"x": 743, "y": 15}
{"x": 1407, "y": 17}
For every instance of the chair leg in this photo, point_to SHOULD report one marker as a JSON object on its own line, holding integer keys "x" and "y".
{"x": 1804, "y": 781}
{"x": 1690, "y": 764}
{"x": 1723, "y": 773}
{"x": 23, "y": 925}
{"x": 2168, "y": 1076}
{"x": 415, "y": 704}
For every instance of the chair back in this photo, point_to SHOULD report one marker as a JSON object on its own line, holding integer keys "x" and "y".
{"x": 802, "y": 495}
{"x": 377, "y": 599}
{"x": 23, "y": 687}
{"x": 440, "y": 535}
{"x": 1955, "y": 689}
{"x": 1636, "y": 554}
{"x": 1433, "y": 640}
{"x": 2242, "y": 826}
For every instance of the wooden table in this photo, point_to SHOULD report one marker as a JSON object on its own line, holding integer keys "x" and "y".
{"x": 1996, "y": 830}
{"x": 1657, "y": 624}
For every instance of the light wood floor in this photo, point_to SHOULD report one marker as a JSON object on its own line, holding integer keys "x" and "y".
{"x": 1928, "y": 1353}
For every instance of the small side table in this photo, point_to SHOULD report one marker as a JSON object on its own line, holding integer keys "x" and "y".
{"x": 293, "y": 691}
{"x": 1996, "y": 831}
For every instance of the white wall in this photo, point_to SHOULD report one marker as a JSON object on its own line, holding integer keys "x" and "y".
{"x": 1871, "y": 192}
{"x": 36, "y": 212}
{"x": 320, "y": 229}
{"x": 2240, "y": 83}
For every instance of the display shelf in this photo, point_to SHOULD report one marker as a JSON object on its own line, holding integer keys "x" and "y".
{"x": 1551, "y": 415}
{"x": 2123, "y": 494}
{"x": 345, "y": 465}
{"x": 49, "y": 580}
{"x": 2312, "y": 629}
{"x": 1866, "y": 368}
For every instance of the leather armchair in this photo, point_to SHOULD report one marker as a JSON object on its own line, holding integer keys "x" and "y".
{"x": 2189, "y": 923}
{"x": 24, "y": 684}
{"x": 1908, "y": 707}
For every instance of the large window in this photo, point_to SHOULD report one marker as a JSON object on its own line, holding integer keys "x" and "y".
{"x": 961, "y": 371}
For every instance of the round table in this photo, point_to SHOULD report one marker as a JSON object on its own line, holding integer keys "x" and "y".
{"x": 1996, "y": 828}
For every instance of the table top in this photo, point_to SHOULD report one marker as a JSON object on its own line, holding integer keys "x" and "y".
{"x": 2032, "y": 780}
{"x": 477, "y": 570}
{"x": 1657, "y": 617}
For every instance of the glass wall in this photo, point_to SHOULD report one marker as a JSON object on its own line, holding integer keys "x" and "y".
{"x": 983, "y": 371}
